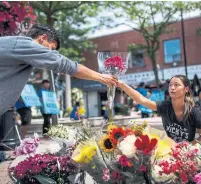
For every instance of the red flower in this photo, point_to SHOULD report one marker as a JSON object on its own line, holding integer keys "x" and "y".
{"x": 143, "y": 143}
{"x": 116, "y": 175}
{"x": 143, "y": 168}
{"x": 184, "y": 177}
{"x": 129, "y": 132}
{"x": 115, "y": 61}
{"x": 125, "y": 162}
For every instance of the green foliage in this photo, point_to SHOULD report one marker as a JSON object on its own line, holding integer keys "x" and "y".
{"x": 44, "y": 179}
{"x": 71, "y": 19}
{"x": 151, "y": 20}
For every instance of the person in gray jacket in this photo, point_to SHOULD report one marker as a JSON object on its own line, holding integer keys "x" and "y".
{"x": 19, "y": 54}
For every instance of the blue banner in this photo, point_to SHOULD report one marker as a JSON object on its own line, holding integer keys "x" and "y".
{"x": 50, "y": 102}
{"x": 29, "y": 96}
{"x": 145, "y": 109}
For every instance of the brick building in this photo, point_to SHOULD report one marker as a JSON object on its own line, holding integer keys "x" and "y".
{"x": 170, "y": 59}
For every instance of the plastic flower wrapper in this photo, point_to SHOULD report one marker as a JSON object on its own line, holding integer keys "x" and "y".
{"x": 116, "y": 64}
{"x": 28, "y": 146}
{"x": 131, "y": 161}
{"x": 182, "y": 163}
{"x": 59, "y": 131}
{"x": 87, "y": 156}
{"x": 62, "y": 135}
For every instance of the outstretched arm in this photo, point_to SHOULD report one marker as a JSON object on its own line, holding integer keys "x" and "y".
{"x": 135, "y": 95}
{"x": 88, "y": 74}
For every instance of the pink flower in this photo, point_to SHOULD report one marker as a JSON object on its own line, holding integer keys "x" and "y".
{"x": 143, "y": 168}
{"x": 197, "y": 178}
{"x": 27, "y": 146}
{"x": 6, "y": 4}
{"x": 106, "y": 174}
{"x": 124, "y": 161}
{"x": 184, "y": 177}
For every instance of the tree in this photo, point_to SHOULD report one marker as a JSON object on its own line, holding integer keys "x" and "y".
{"x": 151, "y": 20}
{"x": 70, "y": 18}
{"x": 13, "y": 15}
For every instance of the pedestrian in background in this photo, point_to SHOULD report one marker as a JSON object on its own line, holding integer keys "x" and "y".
{"x": 46, "y": 117}
{"x": 25, "y": 116}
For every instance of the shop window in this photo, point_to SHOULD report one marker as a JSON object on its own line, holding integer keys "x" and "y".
{"x": 136, "y": 59}
{"x": 172, "y": 51}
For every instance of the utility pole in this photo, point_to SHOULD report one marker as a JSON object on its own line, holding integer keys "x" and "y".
{"x": 184, "y": 42}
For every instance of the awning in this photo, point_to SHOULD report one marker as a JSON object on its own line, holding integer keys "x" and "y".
{"x": 87, "y": 85}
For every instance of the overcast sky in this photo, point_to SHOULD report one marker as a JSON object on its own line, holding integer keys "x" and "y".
{"x": 122, "y": 28}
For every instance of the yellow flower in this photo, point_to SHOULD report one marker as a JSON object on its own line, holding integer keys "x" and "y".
{"x": 106, "y": 144}
{"x": 163, "y": 148}
{"x": 139, "y": 129}
{"x": 110, "y": 127}
{"x": 152, "y": 136}
{"x": 81, "y": 111}
{"x": 84, "y": 154}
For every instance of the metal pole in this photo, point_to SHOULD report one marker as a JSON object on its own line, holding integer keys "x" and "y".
{"x": 184, "y": 42}
{"x": 53, "y": 88}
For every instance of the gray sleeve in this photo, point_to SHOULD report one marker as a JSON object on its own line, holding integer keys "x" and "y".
{"x": 36, "y": 55}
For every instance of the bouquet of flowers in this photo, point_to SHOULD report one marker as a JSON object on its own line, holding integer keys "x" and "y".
{"x": 122, "y": 154}
{"x": 114, "y": 63}
{"x": 43, "y": 168}
{"x": 180, "y": 166}
{"x": 63, "y": 135}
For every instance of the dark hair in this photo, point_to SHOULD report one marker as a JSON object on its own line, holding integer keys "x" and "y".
{"x": 38, "y": 30}
{"x": 45, "y": 81}
{"x": 188, "y": 99}
{"x": 77, "y": 104}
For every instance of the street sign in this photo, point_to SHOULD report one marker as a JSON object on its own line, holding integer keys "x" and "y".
{"x": 29, "y": 96}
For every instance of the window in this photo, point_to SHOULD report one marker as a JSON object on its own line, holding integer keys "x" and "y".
{"x": 172, "y": 51}
{"x": 136, "y": 59}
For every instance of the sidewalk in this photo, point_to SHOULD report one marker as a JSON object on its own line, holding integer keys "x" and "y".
{"x": 156, "y": 122}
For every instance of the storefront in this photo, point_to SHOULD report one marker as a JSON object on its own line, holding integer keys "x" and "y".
{"x": 94, "y": 94}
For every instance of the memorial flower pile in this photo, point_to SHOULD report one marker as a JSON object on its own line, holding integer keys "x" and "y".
{"x": 43, "y": 167}
{"x": 123, "y": 153}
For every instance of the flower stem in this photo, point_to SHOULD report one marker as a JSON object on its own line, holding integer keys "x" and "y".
{"x": 110, "y": 96}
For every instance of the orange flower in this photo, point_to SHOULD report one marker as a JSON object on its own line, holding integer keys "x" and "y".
{"x": 116, "y": 133}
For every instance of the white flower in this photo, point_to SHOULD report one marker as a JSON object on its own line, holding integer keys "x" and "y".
{"x": 126, "y": 146}
{"x": 161, "y": 178}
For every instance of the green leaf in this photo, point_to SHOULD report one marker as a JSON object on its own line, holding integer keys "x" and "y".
{"x": 44, "y": 179}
